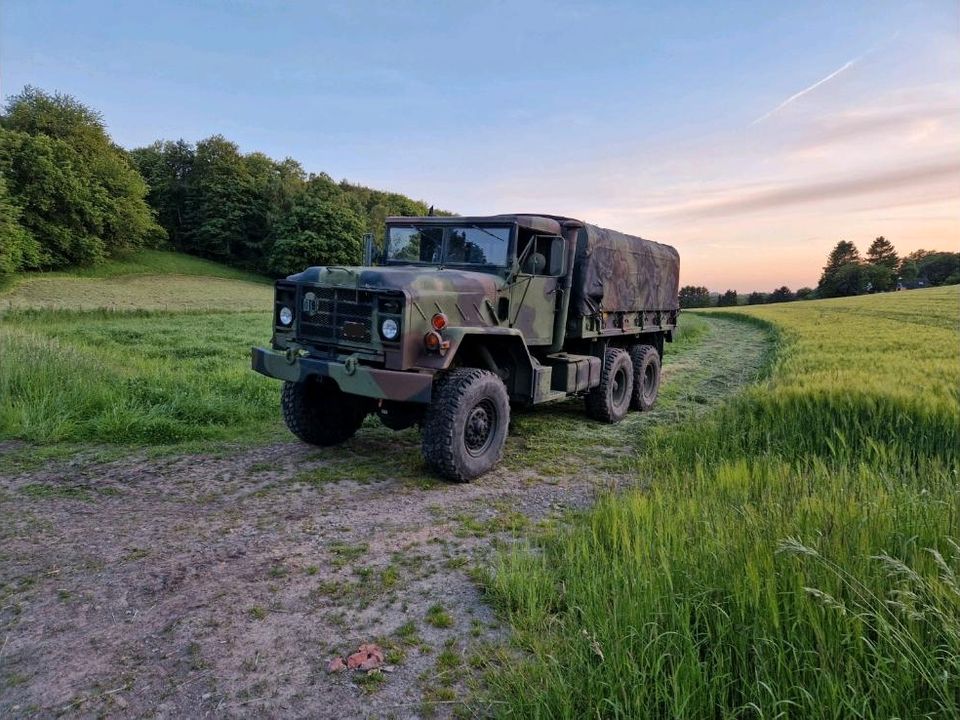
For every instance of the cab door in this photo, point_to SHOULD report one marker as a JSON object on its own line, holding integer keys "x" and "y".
{"x": 533, "y": 295}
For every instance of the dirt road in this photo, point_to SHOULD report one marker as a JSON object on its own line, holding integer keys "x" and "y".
{"x": 220, "y": 584}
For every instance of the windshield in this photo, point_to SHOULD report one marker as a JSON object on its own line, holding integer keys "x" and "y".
{"x": 454, "y": 245}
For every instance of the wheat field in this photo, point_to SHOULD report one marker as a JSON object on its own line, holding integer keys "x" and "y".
{"x": 795, "y": 554}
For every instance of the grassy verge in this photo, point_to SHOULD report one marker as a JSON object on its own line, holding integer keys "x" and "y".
{"x": 796, "y": 555}
{"x": 89, "y": 356}
{"x": 133, "y": 377}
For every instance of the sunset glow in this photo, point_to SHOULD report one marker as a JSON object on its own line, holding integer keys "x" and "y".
{"x": 751, "y": 137}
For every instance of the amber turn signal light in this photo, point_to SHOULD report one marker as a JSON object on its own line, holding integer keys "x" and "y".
{"x": 439, "y": 321}
{"x": 432, "y": 341}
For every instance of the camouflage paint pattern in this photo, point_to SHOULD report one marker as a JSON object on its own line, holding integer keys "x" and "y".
{"x": 614, "y": 272}
{"x": 620, "y": 284}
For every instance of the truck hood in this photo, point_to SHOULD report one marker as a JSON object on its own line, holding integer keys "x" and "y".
{"x": 416, "y": 281}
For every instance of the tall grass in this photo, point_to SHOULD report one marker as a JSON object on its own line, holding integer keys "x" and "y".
{"x": 69, "y": 373}
{"x": 795, "y": 556}
{"x": 142, "y": 377}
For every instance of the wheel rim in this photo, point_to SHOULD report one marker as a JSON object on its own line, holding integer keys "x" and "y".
{"x": 619, "y": 390}
{"x": 481, "y": 427}
{"x": 649, "y": 379}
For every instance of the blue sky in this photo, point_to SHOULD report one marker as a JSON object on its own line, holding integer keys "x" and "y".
{"x": 752, "y": 136}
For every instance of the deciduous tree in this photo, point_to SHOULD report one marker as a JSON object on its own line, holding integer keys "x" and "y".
{"x": 316, "y": 232}
{"x": 19, "y": 250}
{"x": 80, "y": 198}
{"x": 781, "y": 294}
{"x": 728, "y": 299}
{"x": 694, "y": 296}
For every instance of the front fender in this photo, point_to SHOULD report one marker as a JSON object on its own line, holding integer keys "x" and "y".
{"x": 500, "y": 349}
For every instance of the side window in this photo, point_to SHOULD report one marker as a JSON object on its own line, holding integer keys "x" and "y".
{"x": 546, "y": 256}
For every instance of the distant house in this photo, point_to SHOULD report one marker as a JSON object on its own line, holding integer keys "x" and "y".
{"x": 920, "y": 282}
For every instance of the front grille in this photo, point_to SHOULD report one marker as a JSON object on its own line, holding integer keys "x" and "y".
{"x": 334, "y": 315}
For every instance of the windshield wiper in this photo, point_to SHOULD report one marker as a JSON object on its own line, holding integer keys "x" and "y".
{"x": 477, "y": 227}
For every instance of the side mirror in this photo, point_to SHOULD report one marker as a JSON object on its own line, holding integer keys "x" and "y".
{"x": 368, "y": 249}
{"x": 558, "y": 256}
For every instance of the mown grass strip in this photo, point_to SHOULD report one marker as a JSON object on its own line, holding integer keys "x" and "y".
{"x": 795, "y": 556}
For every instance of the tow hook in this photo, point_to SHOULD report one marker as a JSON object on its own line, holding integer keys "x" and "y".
{"x": 350, "y": 365}
{"x": 293, "y": 353}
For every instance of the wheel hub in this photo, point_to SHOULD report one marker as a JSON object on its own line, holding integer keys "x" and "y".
{"x": 619, "y": 386}
{"x": 479, "y": 428}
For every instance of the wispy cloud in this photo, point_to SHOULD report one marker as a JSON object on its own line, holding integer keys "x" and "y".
{"x": 796, "y": 96}
{"x": 739, "y": 203}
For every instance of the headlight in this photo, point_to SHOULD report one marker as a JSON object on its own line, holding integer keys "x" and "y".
{"x": 389, "y": 329}
{"x": 286, "y": 315}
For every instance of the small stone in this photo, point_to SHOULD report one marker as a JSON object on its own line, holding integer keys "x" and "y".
{"x": 336, "y": 665}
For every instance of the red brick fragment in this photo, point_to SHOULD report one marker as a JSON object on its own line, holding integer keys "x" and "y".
{"x": 367, "y": 657}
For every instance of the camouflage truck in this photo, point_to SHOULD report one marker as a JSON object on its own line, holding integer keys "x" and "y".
{"x": 457, "y": 318}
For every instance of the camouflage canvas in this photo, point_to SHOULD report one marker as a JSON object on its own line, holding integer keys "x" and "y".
{"x": 615, "y": 272}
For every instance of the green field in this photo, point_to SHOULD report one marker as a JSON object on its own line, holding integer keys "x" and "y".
{"x": 147, "y": 280}
{"x": 152, "y": 349}
{"x": 795, "y": 554}
{"x": 791, "y": 552}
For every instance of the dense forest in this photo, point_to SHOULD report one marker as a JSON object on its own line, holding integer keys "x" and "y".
{"x": 70, "y": 196}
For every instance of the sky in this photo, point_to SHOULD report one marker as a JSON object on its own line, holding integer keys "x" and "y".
{"x": 752, "y": 136}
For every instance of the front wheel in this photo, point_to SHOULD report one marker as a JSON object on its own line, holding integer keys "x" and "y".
{"x": 465, "y": 427}
{"x": 319, "y": 413}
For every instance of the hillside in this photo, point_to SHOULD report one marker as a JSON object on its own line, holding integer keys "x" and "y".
{"x": 145, "y": 280}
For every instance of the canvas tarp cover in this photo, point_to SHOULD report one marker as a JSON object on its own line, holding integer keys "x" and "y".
{"x": 618, "y": 272}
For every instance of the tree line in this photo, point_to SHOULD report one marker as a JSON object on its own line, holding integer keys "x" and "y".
{"x": 70, "y": 196}
{"x": 847, "y": 273}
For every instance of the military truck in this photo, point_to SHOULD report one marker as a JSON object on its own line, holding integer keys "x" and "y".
{"x": 457, "y": 318}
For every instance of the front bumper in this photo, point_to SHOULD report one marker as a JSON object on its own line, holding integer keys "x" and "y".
{"x": 350, "y": 376}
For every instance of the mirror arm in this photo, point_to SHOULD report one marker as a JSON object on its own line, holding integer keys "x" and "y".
{"x": 368, "y": 249}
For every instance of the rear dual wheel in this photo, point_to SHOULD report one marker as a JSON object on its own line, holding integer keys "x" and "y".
{"x": 646, "y": 376}
{"x": 610, "y": 400}
{"x": 628, "y": 381}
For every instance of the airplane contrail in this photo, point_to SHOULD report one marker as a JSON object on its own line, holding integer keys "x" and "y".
{"x": 846, "y": 66}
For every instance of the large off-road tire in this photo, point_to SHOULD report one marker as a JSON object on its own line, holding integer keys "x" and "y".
{"x": 610, "y": 401}
{"x": 318, "y": 412}
{"x": 646, "y": 376}
{"x": 465, "y": 427}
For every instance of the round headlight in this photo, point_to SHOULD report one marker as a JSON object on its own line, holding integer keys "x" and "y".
{"x": 286, "y": 315}
{"x": 389, "y": 329}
